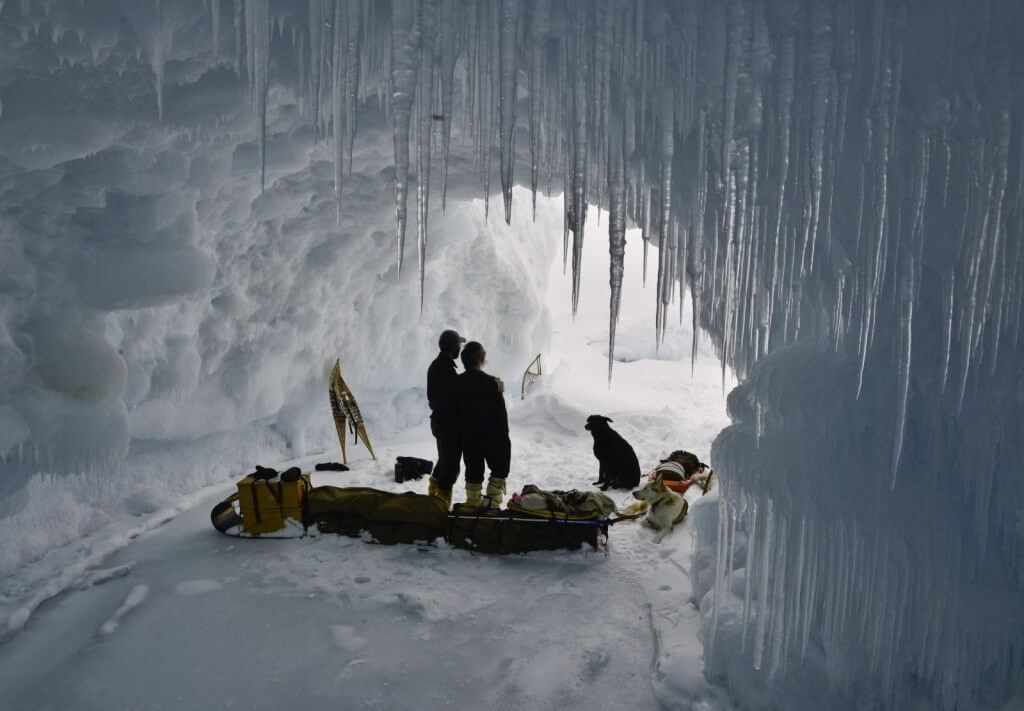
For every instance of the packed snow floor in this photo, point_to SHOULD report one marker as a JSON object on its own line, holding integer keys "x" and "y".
{"x": 166, "y": 613}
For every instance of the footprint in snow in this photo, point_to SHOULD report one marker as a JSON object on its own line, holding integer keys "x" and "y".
{"x": 136, "y": 596}
{"x": 595, "y": 661}
{"x": 196, "y": 587}
{"x": 667, "y": 552}
{"x": 345, "y": 638}
{"x": 98, "y": 577}
{"x": 350, "y": 669}
{"x": 563, "y": 587}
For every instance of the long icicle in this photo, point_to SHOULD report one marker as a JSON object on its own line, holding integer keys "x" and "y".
{"x": 428, "y": 32}
{"x": 338, "y": 98}
{"x": 317, "y": 20}
{"x": 509, "y": 70}
{"x": 580, "y": 145}
{"x": 449, "y": 50}
{"x": 666, "y": 146}
{"x": 616, "y": 217}
{"x": 353, "y": 51}
{"x": 258, "y": 21}
{"x": 404, "y": 53}
{"x": 539, "y": 22}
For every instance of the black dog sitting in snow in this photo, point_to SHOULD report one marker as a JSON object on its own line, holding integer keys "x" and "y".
{"x": 620, "y": 468}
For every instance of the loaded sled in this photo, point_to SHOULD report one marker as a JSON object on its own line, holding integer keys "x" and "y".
{"x": 515, "y": 530}
{"x": 266, "y": 506}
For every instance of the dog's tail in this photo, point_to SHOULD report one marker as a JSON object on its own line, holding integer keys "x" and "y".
{"x": 634, "y": 510}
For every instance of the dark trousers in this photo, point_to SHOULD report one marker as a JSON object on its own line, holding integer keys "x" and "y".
{"x": 494, "y": 448}
{"x": 449, "y": 449}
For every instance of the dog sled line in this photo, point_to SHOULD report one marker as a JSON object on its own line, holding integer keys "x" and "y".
{"x": 268, "y": 504}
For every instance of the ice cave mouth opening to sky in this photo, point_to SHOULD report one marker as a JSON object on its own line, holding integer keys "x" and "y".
{"x": 840, "y": 185}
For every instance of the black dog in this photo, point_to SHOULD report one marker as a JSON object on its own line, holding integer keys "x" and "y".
{"x": 620, "y": 469}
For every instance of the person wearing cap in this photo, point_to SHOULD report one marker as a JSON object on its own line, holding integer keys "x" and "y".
{"x": 444, "y": 417}
{"x": 484, "y": 428}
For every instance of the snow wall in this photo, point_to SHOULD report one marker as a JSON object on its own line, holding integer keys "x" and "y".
{"x": 200, "y": 200}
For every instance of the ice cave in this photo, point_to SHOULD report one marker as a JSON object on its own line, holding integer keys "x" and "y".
{"x": 200, "y": 198}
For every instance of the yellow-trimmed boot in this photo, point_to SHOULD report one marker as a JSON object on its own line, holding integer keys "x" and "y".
{"x": 495, "y": 491}
{"x": 435, "y": 489}
{"x": 446, "y": 496}
{"x": 474, "y": 495}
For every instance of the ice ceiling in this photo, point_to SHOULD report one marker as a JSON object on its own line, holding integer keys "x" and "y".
{"x": 840, "y": 186}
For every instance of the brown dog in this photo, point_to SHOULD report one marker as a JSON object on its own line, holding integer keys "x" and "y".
{"x": 665, "y": 508}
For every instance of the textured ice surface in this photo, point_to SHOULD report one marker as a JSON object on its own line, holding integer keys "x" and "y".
{"x": 839, "y": 185}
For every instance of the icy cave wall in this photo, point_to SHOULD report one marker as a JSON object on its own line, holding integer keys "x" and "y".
{"x": 869, "y": 540}
{"x": 839, "y": 185}
{"x": 161, "y": 311}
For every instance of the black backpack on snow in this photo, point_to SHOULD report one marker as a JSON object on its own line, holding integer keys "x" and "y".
{"x": 407, "y": 468}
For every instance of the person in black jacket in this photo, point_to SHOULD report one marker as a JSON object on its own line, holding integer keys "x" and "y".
{"x": 484, "y": 427}
{"x": 444, "y": 417}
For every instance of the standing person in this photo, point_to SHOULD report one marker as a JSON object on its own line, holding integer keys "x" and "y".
{"x": 444, "y": 418}
{"x": 484, "y": 427}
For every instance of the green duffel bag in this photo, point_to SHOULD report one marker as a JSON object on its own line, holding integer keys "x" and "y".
{"x": 387, "y": 517}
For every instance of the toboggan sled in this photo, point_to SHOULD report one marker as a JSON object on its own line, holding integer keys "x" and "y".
{"x": 268, "y": 508}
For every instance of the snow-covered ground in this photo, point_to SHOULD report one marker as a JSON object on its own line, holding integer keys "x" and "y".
{"x": 162, "y": 612}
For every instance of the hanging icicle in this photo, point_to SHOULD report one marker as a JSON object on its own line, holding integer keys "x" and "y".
{"x": 509, "y": 71}
{"x": 427, "y": 20}
{"x": 404, "y": 55}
